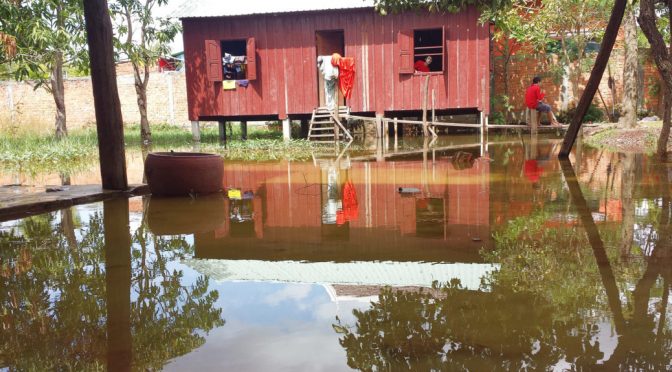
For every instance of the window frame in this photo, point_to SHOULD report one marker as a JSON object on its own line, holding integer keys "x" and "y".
{"x": 442, "y": 54}
{"x": 214, "y": 55}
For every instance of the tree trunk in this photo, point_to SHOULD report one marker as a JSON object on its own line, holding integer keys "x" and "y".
{"x": 647, "y": 21}
{"x": 665, "y": 130}
{"x": 628, "y": 206}
{"x": 109, "y": 122}
{"x": 630, "y": 68}
{"x": 58, "y": 92}
{"x": 141, "y": 93}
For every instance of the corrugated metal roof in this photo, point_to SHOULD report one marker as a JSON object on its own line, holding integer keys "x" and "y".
{"x": 219, "y": 8}
{"x": 352, "y": 273}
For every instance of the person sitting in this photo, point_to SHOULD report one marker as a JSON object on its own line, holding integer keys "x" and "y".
{"x": 534, "y": 101}
{"x": 423, "y": 65}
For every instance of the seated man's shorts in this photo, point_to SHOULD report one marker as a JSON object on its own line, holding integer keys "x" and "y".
{"x": 542, "y": 107}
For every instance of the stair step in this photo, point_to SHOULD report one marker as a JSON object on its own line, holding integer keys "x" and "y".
{"x": 321, "y": 135}
{"x": 322, "y": 128}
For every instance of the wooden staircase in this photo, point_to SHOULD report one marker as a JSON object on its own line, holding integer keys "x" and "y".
{"x": 324, "y": 125}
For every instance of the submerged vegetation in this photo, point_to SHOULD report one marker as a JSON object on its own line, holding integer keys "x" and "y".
{"x": 34, "y": 153}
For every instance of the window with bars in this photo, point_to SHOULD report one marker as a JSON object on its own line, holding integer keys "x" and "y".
{"x": 429, "y": 43}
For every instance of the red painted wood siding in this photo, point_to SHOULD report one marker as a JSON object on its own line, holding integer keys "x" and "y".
{"x": 286, "y": 81}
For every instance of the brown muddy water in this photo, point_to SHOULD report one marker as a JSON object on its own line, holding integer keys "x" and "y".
{"x": 491, "y": 258}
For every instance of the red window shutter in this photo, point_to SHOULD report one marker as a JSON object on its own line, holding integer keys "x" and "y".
{"x": 251, "y": 59}
{"x": 213, "y": 60}
{"x": 405, "y": 41}
{"x": 444, "y": 60}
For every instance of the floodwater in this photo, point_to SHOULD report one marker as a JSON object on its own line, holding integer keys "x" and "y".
{"x": 493, "y": 257}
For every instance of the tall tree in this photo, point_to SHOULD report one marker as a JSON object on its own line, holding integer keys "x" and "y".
{"x": 47, "y": 36}
{"x": 630, "y": 69}
{"x": 648, "y": 21}
{"x": 7, "y": 41}
{"x": 575, "y": 23}
{"x": 143, "y": 39}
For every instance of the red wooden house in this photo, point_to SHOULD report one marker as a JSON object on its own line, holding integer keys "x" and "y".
{"x": 280, "y": 42}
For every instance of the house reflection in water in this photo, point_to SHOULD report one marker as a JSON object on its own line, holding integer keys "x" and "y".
{"x": 353, "y": 212}
{"x": 346, "y": 223}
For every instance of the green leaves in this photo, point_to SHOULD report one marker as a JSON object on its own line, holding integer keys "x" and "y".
{"x": 40, "y": 29}
{"x": 141, "y": 37}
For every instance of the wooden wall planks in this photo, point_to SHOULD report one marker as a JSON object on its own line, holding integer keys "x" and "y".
{"x": 287, "y": 74}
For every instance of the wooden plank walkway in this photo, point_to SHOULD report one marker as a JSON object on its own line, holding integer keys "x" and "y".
{"x": 24, "y": 201}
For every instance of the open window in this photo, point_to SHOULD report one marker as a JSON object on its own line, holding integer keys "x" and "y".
{"x": 429, "y": 43}
{"x": 414, "y": 48}
{"x": 231, "y": 59}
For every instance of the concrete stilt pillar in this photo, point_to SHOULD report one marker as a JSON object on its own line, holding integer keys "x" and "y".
{"x": 196, "y": 131}
{"x": 286, "y": 129}
{"x": 243, "y": 130}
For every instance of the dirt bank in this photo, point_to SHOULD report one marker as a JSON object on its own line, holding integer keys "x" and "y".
{"x": 640, "y": 140}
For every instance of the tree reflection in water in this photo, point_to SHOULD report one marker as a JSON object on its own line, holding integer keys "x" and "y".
{"x": 513, "y": 323}
{"x": 103, "y": 300}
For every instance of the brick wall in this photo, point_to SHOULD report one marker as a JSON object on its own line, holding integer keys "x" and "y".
{"x": 524, "y": 66}
{"x": 166, "y": 101}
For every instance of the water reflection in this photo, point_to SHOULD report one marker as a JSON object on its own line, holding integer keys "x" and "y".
{"x": 513, "y": 324}
{"x": 86, "y": 295}
{"x": 327, "y": 265}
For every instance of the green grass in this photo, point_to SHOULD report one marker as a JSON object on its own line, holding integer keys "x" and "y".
{"x": 33, "y": 153}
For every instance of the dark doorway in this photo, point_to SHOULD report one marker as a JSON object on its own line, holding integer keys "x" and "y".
{"x": 326, "y": 44}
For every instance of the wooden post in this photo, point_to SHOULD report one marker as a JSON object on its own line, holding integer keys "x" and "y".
{"x": 379, "y": 124}
{"x": 601, "y": 61}
{"x": 243, "y": 130}
{"x": 118, "y": 284}
{"x": 386, "y": 127}
{"x": 433, "y": 106}
{"x": 222, "y": 131}
{"x": 433, "y": 109}
{"x": 196, "y": 131}
{"x": 109, "y": 122}
{"x": 534, "y": 119}
{"x": 425, "y": 92}
{"x": 304, "y": 128}
{"x": 396, "y": 134}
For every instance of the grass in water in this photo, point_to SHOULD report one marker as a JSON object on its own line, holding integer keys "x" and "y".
{"x": 33, "y": 153}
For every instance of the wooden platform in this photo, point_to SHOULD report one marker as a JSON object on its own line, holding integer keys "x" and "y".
{"x": 23, "y": 201}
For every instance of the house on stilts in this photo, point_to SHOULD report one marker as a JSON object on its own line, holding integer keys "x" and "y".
{"x": 275, "y": 46}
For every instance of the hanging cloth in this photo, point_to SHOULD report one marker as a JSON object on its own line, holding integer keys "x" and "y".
{"x": 229, "y": 84}
{"x": 330, "y": 74}
{"x": 346, "y": 73}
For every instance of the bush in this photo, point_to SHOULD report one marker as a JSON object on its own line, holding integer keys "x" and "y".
{"x": 594, "y": 114}
{"x": 497, "y": 118}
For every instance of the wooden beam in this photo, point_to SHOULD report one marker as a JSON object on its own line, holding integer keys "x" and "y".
{"x": 109, "y": 122}
{"x": 595, "y": 76}
{"x": 425, "y": 92}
